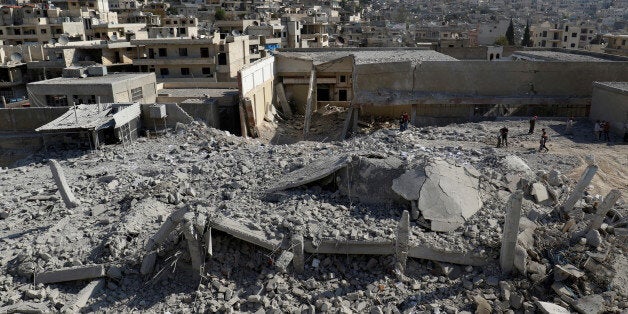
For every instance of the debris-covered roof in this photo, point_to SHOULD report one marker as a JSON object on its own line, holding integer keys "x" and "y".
{"x": 92, "y": 117}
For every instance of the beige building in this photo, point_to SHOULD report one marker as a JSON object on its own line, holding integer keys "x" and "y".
{"x": 88, "y": 86}
{"x": 201, "y": 59}
{"x": 566, "y": 36}
{"x": 616, "y": 44}
{"x": 610, "y": 103}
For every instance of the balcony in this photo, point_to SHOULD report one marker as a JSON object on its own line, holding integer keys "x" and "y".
{"x": 174, "y": 61}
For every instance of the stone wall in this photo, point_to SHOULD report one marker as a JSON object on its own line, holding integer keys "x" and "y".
{"x": 28, "y": 119}
{"x": 610, "y": 103}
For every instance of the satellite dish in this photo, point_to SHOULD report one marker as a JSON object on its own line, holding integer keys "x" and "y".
{"x": 16, "y": 57}
{"x": 159, "y": 35}
{"x": 52, "y": 41}
{"x": 114, "y": 37}
{"x": 235, "y": 32}
{"x": 340, "y": 40}
{"x": 63, "y": 40}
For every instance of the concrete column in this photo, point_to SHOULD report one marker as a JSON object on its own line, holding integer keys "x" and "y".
{"x": 148, "y": 263}
{"x": 281, "y": 95}
{"x": 4, "y": 102}
{"x": 308, "y": 104}
{"x": 64, "y": 189}
{"x": 608, "y": 202}
{"x": 354, "y": 117}
{"x": 95, "y": 139}
{"x": 403, "y": 241}
{"x": 91, "y": 290}
{"x": 299, "y": 257}
{"x": 242, "y": 120}
{"x": 584, "y": 181}
{"x": 193, "y": 244}
{"x": 413, "y": 114}
{"x": 511, "y": 230}
{"x": 346, "y": 127}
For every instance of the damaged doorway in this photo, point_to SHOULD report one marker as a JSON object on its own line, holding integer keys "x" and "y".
{"x": 323, "y": 93}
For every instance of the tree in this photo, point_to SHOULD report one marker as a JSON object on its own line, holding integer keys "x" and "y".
{"x": 510, "y": 33}
{"x": 501, "y": 41}
{"x": 220, "y": 14}
{"x": 526, "y": 36}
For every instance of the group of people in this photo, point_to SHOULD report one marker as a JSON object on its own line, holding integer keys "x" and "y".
{"x": 602, "y": 129}
{"x": 502, "y": 138}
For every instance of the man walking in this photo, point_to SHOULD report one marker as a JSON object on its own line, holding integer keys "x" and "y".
{"x": 543, "y": 141}
{"x": 503, "y": 132}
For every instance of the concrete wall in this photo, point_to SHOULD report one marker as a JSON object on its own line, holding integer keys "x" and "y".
{"x": 205, "y": 112}
{"x": 175, "y": 114}
{"x": 465, "y": 53}
{"x": 257, "y": 83}
{"x": 610, "y": 104}
{"x": 28, "y": 119}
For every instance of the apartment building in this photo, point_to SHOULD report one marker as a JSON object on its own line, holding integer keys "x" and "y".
{"x": 567, "y": 36}
{"x": 175, "y": 26}
{"x": 202, "y": 59}
{"x": 31, "y": 24}
{"x": 616, "y": 44}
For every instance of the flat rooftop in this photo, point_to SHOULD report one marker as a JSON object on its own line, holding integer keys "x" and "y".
{"x": 198, "y": 93}
{"x": 367, "y": 56}
{"x": 620, "y": 86}
{"x": 546, "y": 55}
{"x": 97, "y": 80}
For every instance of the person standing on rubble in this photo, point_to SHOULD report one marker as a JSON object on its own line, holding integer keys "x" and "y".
{"x": 606, "y": 131}
{"x": 569, "y": 126}
{"x": 597, "y": 130}
{"x": 403, "y": 122}
{"x": 532, "y": 124}
{"x": 543, "y": 141}
{"x": 503, "y": 134}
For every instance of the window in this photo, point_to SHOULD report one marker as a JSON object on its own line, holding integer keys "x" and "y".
{"x": 565, "y": 38}
{"x": 343, "y": 78}
{"x": 136, "y": 94}
{"x": 342, "y": 95}
{"x": 56, "y": 100}
{"x": 574, "y": 35}
{"x": 544, "y": 33}
{"x": 222, "y": 59}
{"x": 182, "y": 30}
{"x": 167, "y": 22}
{"x": 204, "y": 52}
{"x": 573, "y": 45}
{"x": 183, "y": 52}
{"x": 185, "y": 71}
{"x": 566, "y": 28}
{"x": 43, "y": 31}
{"x": 163, "y": 52}
{"x": 623, "y": 42}
{"x": 164, "y": 72}
{"x": 206, "y": 71}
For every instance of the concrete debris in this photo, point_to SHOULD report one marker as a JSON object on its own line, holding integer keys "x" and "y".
{"x": 551, "y": 308}
{"x": 71, "y": 274}
{"x": 385, "y": 222}
{"x": 62, "y": 184}
{"x": 448, "y": 196}
{"x": 539, "y": 192}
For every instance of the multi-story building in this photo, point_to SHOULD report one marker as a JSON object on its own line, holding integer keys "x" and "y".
{"x": 29, "y": 24}
{"x": 175, "y": 26}
{"x": 568, "y": 36}
{"x": 202, "y": 59}
{"x": 616, "y": 44}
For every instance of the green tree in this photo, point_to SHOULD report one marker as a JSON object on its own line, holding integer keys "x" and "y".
{"x": 501, "y": 41}
{"x": 526, "y": 42}
{"x": 510, "y": 33}
{"x": 220, "y": 14}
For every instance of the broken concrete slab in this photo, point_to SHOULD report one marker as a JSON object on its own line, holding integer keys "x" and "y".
{"x": 461, "y": 258}
{"x": 245, "y": 233}
{"x": 608, "y": 202}
{"x": 591, "y": 304}
{"x": 409, "y": 184}
{"x": 517, "y": 165}
{"x": 370, "y": 180}
{"x": 92, "y": 289}
{"x": 284, "y": 260}
{"x": 539, "y": 192}
{"x": 298, "y": 249}
{"x": 333, "y": 246}
{"x": 551, "y": 308}
{"x": 402, "y": 241}
{"x": 511, "y": 230}
{"x": 310, "y": 173}
{"x": 563, "y": 272}
{"x": 71, "y": 274}
{"x": 62, "y": 184}
{"x": 148, "y": 263}
{"x": 582, "y": 184}
{"x": 449, "y": 196}
{"x": 25, "y": 308}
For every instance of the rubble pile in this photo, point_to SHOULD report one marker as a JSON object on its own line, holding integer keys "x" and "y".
{"x": 201, "y": 220}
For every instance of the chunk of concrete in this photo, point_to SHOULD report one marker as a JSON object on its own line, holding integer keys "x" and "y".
{"x": 26, "y": 308}
{"x": 244, "y": 233}
{"x": 448, "y": 196}
{"x": 71, "y": 274}
{"x": 516, "y": 164}
{"x": 310, "y": 173}
{"x": 591, "y": 304}
{"x": 409, "y": 184}
{"x": 370, "y": 180}
{"x": 539, "y": 192}
{"x": 562, "y": 272}
{"x": 62, "y": 184}
{"x": 92, "y": 289}
{"x": 284, "y": 260}
{"x": 551, "y": 308}
{"x": 594, "y": 238}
